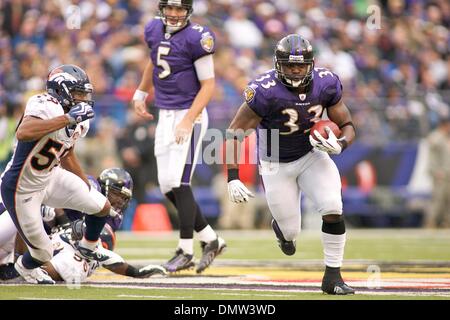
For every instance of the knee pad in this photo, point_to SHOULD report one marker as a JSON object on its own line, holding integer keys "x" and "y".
{"x": 331, "y": 206}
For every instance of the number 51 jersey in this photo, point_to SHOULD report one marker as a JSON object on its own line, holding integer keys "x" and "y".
{"x": 289, "y": 112}
{"x": 30, "y": 168}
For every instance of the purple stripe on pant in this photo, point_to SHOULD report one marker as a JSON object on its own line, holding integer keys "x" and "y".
{"x": 186, "y": 177}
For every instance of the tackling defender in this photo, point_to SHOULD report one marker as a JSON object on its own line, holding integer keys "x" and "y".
{"x": 45, "y": 170}
{"x": 181, "y": 73}
{"x": 288, "y": 100}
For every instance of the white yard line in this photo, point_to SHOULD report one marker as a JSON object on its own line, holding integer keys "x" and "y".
{"x": 153, "y": 297}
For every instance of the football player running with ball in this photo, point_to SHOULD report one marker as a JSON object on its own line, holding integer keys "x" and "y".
{"x": 181, "y": 73}
{"x": 286, "y": 102}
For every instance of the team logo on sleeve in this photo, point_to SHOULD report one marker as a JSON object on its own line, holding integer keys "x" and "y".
{"x": 249, "y": 93}
{"x": 207, "y": 42}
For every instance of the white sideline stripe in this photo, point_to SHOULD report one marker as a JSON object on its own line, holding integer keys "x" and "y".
{"x": 143, "y": 252}
{"x": 154, "y": 297}
{"x": 253, "y": 294}
{"x": 209, "y": 289}
{"x": 35, "y": 298}
{"x": 370, "y": 293}
{"x": 254, "y": 235}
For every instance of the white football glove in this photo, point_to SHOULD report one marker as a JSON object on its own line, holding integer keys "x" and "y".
{"x": 330, "y": 145}
{"x": 151, "y": 270}
{"x": 48, "y": 213}
{"x": 238, "y": 192}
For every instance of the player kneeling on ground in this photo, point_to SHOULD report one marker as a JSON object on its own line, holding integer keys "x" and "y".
{"x": 116, "y": 184}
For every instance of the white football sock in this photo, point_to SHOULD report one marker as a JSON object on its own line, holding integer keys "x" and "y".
{"x": 207, "y": 234}
{"x": 187, "y": 245}
{"x": 91, "y": 245}
{"x": 333, "y": 249}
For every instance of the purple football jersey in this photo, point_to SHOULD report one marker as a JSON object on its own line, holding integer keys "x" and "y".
{"x": 173, "y": 56}
{"x": 73, "y": 215}
{"x": 289, "y": 112}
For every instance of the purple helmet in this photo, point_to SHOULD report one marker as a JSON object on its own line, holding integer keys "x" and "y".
{"x": 117, "y": 185}
{"x": 294, "y": 50}
{"x": 173, "y": 23}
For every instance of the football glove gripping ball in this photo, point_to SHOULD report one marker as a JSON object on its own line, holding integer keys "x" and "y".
{"x": 332, "y": 145}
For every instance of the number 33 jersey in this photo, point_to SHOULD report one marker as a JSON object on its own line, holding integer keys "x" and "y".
{"x": 289, "y": 112}
{"x": 33, "y": 161}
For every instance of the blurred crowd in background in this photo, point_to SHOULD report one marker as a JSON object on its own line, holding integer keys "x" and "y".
{"x": 395, "y": 67}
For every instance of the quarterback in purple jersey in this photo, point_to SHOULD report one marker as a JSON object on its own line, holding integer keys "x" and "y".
{"x": 180, "y": 72}
{"x": 286, "y": 102}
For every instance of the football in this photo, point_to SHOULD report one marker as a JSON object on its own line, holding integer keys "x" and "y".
{"x": 320, "y": 127}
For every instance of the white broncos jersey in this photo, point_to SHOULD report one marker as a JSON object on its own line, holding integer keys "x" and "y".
{"x": 72, "y": 268}
{"x": 34, "y": 160}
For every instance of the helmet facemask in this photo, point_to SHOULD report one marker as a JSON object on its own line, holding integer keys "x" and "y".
{"x": 84, "y": 95}
{"x": 118, "y": 197}
{"x": 174, "y": 23}
{"x": 294, "y": 74}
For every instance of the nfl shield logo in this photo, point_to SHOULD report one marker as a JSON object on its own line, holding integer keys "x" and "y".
{"x": 167, "y": 36}
{"x": 302, "y": 96}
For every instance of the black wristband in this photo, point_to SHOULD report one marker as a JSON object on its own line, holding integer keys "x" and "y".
{"x": 233, "y": 174}
{"x": 132, "y": 272}
{"x": 235, "y": 135}
{"x": 344, "y": 144}
{"x": 347, "y": 124}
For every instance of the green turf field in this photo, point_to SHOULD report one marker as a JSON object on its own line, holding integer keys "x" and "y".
{"x": 383, "y": 245}
{"x": 414, "y": 264}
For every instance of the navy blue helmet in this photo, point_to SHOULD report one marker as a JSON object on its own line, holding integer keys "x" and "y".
{"x": 294, "y": 50}
{"x": 65, "y": 81}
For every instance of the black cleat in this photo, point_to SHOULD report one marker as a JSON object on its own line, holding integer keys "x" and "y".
{"x": 332, "y": 283}
{"x": 288, "y": 247}
{"x": 89, "y": 254}
{"x": 210, "y": 251}
{"x": 8, "y": 272}
{"x": 180, "y": 261}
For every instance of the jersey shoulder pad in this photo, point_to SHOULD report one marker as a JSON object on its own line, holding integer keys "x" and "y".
{"x": 43, "y": 106}
{"x": 330, "y": 86}
{"x": 265, "y": 83}
{"x": 150, "y": 28}
{"x": 203, "y": 38}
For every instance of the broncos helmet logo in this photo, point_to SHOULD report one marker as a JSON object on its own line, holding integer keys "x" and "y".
{"x": 62, "y": 77}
